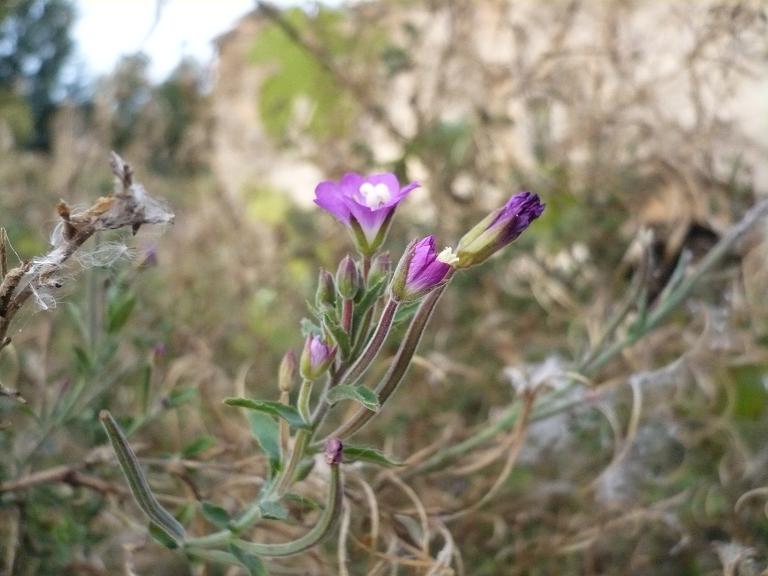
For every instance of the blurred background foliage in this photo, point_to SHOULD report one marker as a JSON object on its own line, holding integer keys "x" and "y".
{"x": 625, "y": 117}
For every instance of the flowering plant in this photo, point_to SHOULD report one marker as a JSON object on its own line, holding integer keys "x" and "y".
{"x": 353, "y": 316}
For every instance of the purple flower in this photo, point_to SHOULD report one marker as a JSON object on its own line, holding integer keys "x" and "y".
{"x": 421, "y": 269}
{"x": 316, "y": 357}
{"x": 365, "y": 204}
{"x": 498, "y": 229}
{"x": 334, "y": 451}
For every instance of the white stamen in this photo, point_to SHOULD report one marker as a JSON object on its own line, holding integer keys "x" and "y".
{"x": 447, "y": 256}
{"x": 376, "y": 195}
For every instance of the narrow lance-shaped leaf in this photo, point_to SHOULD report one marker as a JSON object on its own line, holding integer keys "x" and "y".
{"x": 287, "y": 413}
{"x": 360, "y": 394}
{"x": 354, "y": 453}
{"x": 137, "y": 482}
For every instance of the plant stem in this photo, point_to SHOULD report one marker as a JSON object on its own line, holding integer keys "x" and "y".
{"x": 396, "y": 371}
{"x": 347, "y": 308}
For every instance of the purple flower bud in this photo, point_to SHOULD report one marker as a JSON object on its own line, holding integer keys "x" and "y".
{"x": 316, "y": 357}
{"x": 498, "y": 229}
{"x": 334, "y": 451}
{"x": 365, "y": 204}
{"x": 326, "y": 291}
{"x": 347, "y": 278}
{"x": 421, "y": 269}
{"x": 287, "y": 371}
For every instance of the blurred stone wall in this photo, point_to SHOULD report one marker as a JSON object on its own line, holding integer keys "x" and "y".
{"x": 673, "y": 90}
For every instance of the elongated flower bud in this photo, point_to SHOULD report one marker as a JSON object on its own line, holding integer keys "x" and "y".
{"x": 348, "y": 281}
{"x": 316, "y": 357}
{"x": 287, "y": 371}
{"x": 421, "y": 269}
{"x": 325, "y": 297}
{"x": 498, "y": 229}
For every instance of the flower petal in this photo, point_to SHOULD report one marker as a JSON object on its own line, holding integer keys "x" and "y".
{"x": 328, "y": 197}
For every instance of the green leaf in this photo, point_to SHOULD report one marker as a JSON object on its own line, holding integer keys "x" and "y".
{"x": 198, "y": 446}
{"x": 146, "y": 383}
{"x": 405, "y": 312}
{"x": 118, "y": 312}
{"x": 180, "y": 396}
{"x": 83, "y": 360}
{"x": 216, "y": 515}
{"x": 273, "y": 510}
{"x": 137, "y": 481}
{"x": 370, "y": 296}
{"x": 277, "y": 409}
{"x": 339, "y": 335}
{"x": 361, "y": 394}
{"x": 303, "y": 501}
{"x": 252, "y": 563}
{"x": 353, "y": 453}
{"x": 267, "y": 434}
{"x": 159, "y": 535}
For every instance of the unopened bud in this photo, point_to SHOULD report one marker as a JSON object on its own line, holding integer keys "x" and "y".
{"x": 316, "y": 357}
{"x": 326, "y": 291}
{"x": 287, "y": 371}
{"x": 347, "y": 278}
{"x": 380, "y": 268}
{"x": 334, "y": 451}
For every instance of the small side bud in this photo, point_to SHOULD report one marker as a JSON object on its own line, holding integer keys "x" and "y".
{"x": 334, "y": 451}
{"x": 348, "y": 281}
{"x": 316, "y": 358}
{"x": 287, "y": 371}
{"x": 325, "y": 297}
{"x": 380, "y": 268}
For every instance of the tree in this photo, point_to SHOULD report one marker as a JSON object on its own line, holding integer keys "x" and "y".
{"x": 35, "y": 44}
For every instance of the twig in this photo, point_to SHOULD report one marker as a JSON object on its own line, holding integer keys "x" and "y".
{"x": 128, "y": 206}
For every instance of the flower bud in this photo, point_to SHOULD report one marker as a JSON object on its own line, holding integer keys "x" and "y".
{"x": 348, "y": 281}
{"x": 380, "y": 268}
{"x": 287, "y": 371}
{"x": 334, "y": 451}
{"x": 316, "y": 357}
{"x": 325, "y": 297}
{"x": 498, "y": 229}
{"x": 421, "y": 269}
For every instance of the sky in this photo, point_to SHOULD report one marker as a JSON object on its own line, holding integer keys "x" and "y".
{"x": 108, "y": 29}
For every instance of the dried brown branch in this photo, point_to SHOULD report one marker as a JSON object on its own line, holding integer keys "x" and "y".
{"x": 128, "y": 206}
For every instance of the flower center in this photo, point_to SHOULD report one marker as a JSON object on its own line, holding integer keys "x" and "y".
{"x": 375, "y": 195}
{"x": 447, "y": 256}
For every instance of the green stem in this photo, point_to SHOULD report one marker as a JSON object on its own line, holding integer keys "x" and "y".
{"x": 320, "y": 531}
{"x": 397, "y": 370}
{"x": 368, "y": 355}
{"x": 285, "y": 479}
